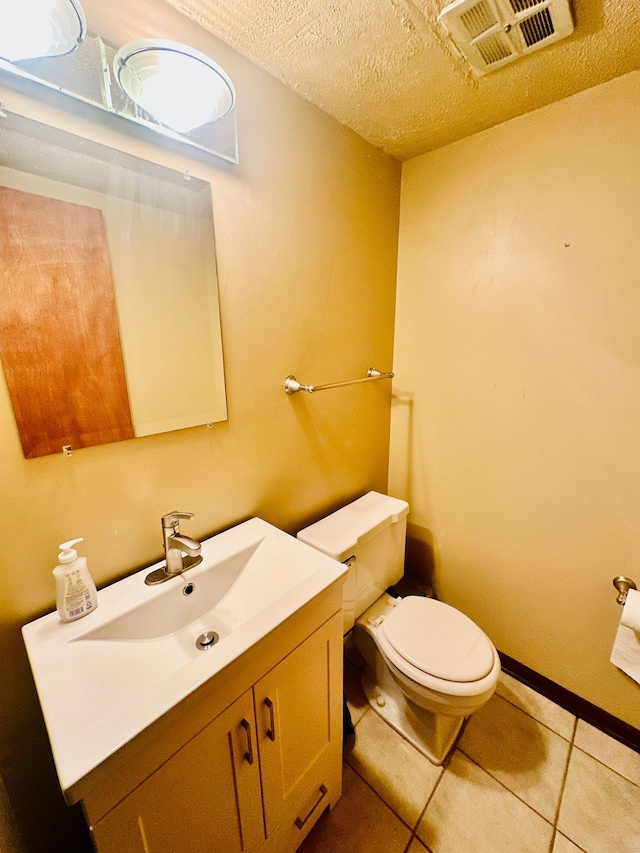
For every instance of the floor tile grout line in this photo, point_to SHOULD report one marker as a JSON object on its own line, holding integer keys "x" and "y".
{"x": 391, "y": 809}
{"x": 572, "y": 745}
{"x": 524, "y": 711}
{"x": 359, "y": 720}
{"x": 409, "y": 843}
{"x": 577, "y": 846}
{"x": 576, "y": 717}
{"x": 563, "y": 783}
{"x": 382, "y": 800}
{"x": 606, "y": 766}
{"x": 508, "y": 790}
{"x": 414, "y": 834}
{"x": 413, "y": 829}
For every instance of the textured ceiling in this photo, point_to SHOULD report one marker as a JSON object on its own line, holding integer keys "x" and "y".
{"x": 386, "y": 69}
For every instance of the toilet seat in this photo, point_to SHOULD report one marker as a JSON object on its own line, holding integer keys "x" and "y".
{"x": 438, "y": 647}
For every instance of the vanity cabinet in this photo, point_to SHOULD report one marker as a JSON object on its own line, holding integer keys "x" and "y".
{"x": 208, "y": 790}
{"x": 255, "y": 777}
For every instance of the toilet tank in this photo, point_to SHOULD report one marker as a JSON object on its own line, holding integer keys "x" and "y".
{"x": 372, "y": 529}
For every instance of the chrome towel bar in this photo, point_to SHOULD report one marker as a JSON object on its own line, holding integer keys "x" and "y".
{"x": 292, "y": 386}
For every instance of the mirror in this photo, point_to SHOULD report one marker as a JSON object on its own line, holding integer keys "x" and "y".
{"x": 109, "y": 292}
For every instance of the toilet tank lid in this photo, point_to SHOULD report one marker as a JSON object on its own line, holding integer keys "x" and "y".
{"x": 340, "y": 533}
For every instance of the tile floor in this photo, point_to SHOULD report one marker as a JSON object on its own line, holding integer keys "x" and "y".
{"x": 526, "y": 777}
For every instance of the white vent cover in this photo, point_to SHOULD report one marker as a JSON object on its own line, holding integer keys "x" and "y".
{"x": 491, "y": 33}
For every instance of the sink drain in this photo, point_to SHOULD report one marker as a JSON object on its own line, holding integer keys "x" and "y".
{"x": 206, "y": 640}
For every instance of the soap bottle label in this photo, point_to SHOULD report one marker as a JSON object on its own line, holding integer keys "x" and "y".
{"x": 77, "y": 597}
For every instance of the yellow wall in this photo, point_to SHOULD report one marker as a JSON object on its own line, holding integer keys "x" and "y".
{"x": 306, "y": 238}
{"x": 516, "y": 415}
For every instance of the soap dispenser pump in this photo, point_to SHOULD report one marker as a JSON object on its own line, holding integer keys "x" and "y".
{"x": 76, "y": 593}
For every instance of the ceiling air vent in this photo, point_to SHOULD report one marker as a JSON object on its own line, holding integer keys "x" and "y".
{"x": 491, "y": 33}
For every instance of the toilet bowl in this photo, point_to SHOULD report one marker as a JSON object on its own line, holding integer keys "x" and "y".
{"x": 427, "y": 666}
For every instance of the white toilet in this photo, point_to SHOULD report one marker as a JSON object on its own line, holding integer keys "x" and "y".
{"x": 427, "y": 666}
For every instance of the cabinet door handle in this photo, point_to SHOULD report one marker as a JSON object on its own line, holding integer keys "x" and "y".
{"x": 271, "y": 731}
{"x": 246, "y": 725}
{"x": 299, "y": 821}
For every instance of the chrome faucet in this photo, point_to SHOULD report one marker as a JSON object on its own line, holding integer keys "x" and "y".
{"x": 174, "y": 544}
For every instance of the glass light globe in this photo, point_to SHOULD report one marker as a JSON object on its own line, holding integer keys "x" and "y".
{"x": 34, "y": 28}
{"x": 178, "y": 86}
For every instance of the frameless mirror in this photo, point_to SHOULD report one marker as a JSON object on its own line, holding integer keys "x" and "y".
{"x": 109, "y": 319}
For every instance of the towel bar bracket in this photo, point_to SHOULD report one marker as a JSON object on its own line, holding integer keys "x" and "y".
{"x": 623, "y": 585}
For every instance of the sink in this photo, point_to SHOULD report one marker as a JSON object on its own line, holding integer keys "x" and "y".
{"x": 193, "y": 598}
{"x": 104, "y": 678}
{"x": 150, "y": 640}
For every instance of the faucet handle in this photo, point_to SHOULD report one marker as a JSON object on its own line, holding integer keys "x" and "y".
{"x": 170, "y": 521}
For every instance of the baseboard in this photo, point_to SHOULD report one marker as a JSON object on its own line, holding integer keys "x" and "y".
{"x": 590, "y": 713}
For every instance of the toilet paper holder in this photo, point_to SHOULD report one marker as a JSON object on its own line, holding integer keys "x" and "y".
{"x": 623, "y": 585}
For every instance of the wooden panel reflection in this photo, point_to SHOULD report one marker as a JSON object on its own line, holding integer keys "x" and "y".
{"x": 59, "y": 335}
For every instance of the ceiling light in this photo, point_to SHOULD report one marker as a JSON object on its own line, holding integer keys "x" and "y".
{"x": 35, "y": 28}
{"x": 178, "y": 86}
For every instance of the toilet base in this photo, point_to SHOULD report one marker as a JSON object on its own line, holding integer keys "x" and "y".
{"x": 434, "y": 735}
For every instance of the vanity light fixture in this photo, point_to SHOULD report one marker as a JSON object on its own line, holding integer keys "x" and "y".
{"x": 177, "y": 85}
{"x": 36, "y": 28}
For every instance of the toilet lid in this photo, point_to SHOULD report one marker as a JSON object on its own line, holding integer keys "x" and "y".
{"x": 438, "y": 640}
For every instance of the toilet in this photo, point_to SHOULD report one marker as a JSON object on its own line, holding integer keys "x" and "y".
{"x": 427, "y": 666}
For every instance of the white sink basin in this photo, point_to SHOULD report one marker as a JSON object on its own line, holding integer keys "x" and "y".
{"x": 184, "y": 601}
{"x": 106, "y": 677}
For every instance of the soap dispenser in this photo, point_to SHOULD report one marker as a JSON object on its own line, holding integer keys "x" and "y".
{"x": 76, "y": 593}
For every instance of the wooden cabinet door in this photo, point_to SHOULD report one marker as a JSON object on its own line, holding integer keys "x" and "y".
{"x": 205, "y": 799}
{"x": 299, "y": 717}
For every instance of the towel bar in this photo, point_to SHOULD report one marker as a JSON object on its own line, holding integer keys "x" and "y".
{"x": 292, "y": 386}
